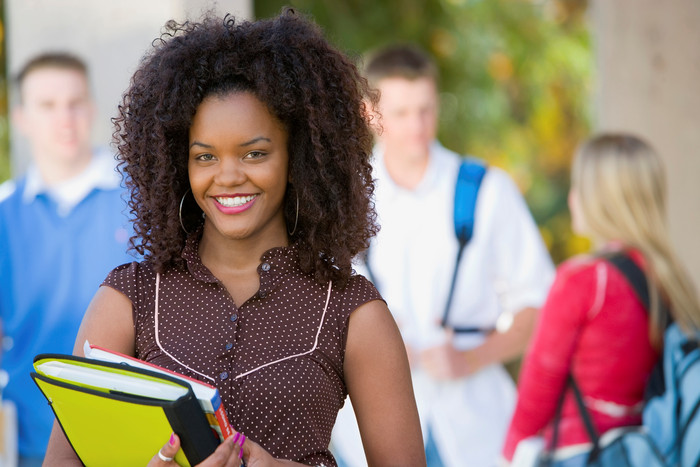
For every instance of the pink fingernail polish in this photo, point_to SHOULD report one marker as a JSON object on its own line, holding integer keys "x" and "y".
{"x": 235, "y": 438}
{"x": 172, "y": 439}
{"x": 242, "y": 441}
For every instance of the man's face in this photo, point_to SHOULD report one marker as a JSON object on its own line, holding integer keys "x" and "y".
{"x": 56, "y": 114}
{"x": 409, "y": 115}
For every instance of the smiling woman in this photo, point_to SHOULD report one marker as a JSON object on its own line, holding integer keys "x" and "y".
{"x": 248, "y": 165}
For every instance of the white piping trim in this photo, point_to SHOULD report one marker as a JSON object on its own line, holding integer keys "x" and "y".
{"x": 318, "y": 333}
{"x": 601, "y": 281}
{"x": 613, "y": 409}
{"x": 158, "y": 341}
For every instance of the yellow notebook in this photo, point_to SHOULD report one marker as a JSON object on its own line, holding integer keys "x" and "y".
{"x": 118, "y": 415}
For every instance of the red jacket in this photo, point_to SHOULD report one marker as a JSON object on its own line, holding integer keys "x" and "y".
{"x": 593, "y": 326}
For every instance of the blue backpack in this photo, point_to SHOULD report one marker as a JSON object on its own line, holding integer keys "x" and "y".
{"x": 670, "y": 415}
{"x": 670, "y": 431}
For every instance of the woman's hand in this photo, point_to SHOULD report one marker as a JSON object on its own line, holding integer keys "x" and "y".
{"x": 227, "y": 454}
{"x": 230, "y": 453}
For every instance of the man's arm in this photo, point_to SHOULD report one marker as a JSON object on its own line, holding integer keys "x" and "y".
{"x": 507, "y": 345}
{"x": 447, "y": 362}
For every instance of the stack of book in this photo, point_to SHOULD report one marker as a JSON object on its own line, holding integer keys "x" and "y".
{"x": 118, "y": 410}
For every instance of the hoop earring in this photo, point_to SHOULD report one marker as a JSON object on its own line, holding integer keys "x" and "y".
{"x": 296, "y": 218}
{"x": 182, "y": 201}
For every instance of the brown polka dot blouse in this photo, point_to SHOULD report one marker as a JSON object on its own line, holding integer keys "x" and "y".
{"x": 277, "y": 359}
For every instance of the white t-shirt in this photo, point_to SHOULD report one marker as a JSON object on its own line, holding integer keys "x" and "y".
{"x": 504, "y": 268}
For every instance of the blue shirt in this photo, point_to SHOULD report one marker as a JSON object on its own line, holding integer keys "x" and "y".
{"x": 52, "y": 262}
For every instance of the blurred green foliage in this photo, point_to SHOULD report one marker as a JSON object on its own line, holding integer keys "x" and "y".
{"x": 516, "y": 79}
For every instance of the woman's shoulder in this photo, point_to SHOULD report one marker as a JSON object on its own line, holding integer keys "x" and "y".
{"x": 579, "y": 287}
{"x": 359, "y": 286}
{"x": 132, "y": 269}
{"x": 579, "y": 265}
{"x": 582, "y": 272}
{"x": 592, "y": 264}
{"x": 129, "y": 276}
{"x": 357, "y": 292}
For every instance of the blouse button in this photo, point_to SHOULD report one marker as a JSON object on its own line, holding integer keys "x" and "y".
{"x": 234, "y": 317}
{"x": 262, "y": 294}
{"x": 265, "y": 267}
{"x": 223, "y": 375}
{"x": 229, "y": 346}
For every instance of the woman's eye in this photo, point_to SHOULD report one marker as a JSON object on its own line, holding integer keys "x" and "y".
{"x": 254, "y": 155}
{"x": 205, "y": 157}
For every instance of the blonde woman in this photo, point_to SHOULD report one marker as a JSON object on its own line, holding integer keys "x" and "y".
{"x": 592, "y": 326}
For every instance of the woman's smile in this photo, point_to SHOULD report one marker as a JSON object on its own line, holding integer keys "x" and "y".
{"x": 234, "y": 204}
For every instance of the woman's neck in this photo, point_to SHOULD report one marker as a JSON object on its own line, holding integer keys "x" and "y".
{"x": 234, "y": 262}
{"x": 236, "y": 254}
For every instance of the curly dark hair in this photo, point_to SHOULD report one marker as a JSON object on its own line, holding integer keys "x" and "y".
{"x": 311, "y": 87}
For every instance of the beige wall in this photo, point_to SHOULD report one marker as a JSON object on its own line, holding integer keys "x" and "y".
{"x": 648, "y": 66}
{"x": 110, "y": 35}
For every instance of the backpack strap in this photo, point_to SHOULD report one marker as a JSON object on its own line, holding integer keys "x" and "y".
{"x": 634, "y": 275}
{"x": 585, "y": 417}
{"x": 547, "y": 456}
{"x": 638, "y": 280}
{"x": 656, "y": 384}
{"x": 471, "y": 173}
{"x": 587, "y": 420}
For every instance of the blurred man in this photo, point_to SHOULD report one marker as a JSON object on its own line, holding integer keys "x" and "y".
{"x": 465, "y": 396}
{"x": 62, "y": 229}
